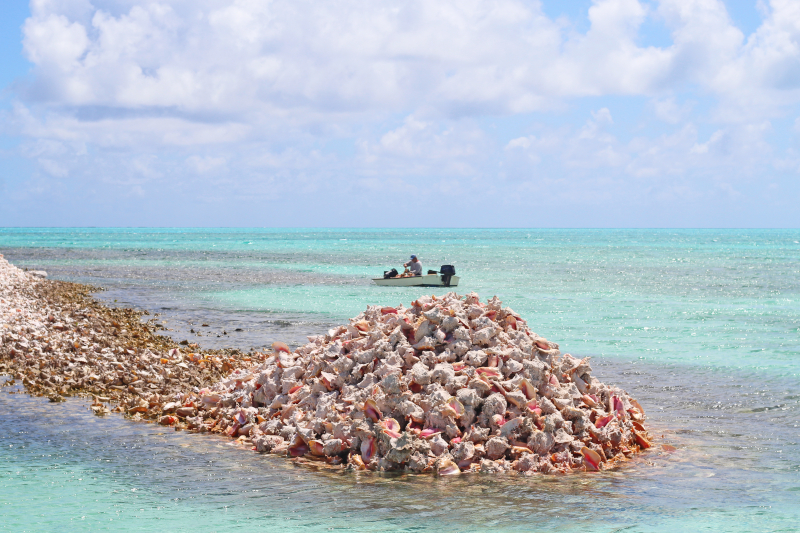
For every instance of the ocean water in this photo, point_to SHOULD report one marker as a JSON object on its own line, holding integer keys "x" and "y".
{"x": 702, "y": 326}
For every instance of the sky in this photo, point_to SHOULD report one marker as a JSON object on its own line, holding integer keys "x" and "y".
{"x": 370, "y": 113}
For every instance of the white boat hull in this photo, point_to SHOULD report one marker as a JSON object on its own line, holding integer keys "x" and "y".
{"x": 430, "y": 280}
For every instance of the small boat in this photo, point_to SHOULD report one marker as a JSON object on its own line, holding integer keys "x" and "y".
{"x": 430, "y": 280}
{"x": 446, "y": 277}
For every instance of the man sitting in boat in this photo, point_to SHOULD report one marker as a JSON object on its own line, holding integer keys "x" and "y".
{"x": 413, "y": 267}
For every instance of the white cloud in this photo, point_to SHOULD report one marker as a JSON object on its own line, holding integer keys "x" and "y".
{"x": 283, "y": 56}
{"x": 420, "y": 147}
{"x": 54, "y": 41}
{"x": 521, "y": 142}
{"x": 272, "y": 98}
{"x": 678, "y": 161}
{"x": 299, "y": 62}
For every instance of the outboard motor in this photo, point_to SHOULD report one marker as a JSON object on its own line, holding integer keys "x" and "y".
{"x": 447, "y": 271}
{"x": 390, "y": 274}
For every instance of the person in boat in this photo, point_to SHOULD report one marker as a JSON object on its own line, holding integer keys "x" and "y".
{"x": 413, "y": 267}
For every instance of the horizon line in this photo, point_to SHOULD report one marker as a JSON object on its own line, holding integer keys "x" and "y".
{"x": 408, "y": 228}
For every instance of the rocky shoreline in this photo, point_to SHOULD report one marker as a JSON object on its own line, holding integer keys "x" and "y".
{"x": 446, "y": 386}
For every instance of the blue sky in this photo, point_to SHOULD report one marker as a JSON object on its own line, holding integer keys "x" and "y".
{"x": 605, "y": 113}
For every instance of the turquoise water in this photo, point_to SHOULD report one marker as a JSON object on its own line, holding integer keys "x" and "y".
{"x": 703, "y": 326}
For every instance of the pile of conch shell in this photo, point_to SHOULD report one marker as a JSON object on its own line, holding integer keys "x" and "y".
{"x": 449, "y": 385}
{"x": 59, "y": 342}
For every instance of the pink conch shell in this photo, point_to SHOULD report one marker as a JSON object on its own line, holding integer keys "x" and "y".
{"x": 280, "y": 347}
{"x": 414, "y": 427}
{"x": 327, "y": 380}
{"x": 513, "y": 399}
{"x": 299, "y": 448}
{"x": 211, "y": 399}
{"x": 603, "y": 421}
{"x": 372, "y": 411}
{"x": 533, "y": 407}
{"x": 493, "y": 361}
{"x": 362, "y": 325}
{"x": 295, "y": 389}
{"x": 460, "y": 365}
{"x": 591, "y": 458}
{"x": 554, "y": 380}
{"x": 388, "y": 310}
{"x": 454, "y": 407}
{"x": 616, "y": 405}
{"x": 542, "y": 344}
{"x": 316, "y": 447}
{"x": 369, "y": 447}
{"x": 641, "y": 441}
{"x": 527, "y": 389}
{"x": 511, "y": 320}
{"x": 582, "y": 386}
{"x": 488, "y": 372}
{"x": 356, "y": 460}
{"x": 588, "y": 400}
{"x": 464, "y": 463}
{"x": 430, "y": 432}
{"x": 448, "y": 468}
{"x": 391, "y": 427}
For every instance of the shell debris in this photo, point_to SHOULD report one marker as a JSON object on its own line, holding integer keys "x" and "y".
{"x": 59, "y": 342}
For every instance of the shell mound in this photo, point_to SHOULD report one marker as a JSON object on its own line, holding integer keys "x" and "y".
{"x": 59, "y": 342}
{"x": 448, "y": 385}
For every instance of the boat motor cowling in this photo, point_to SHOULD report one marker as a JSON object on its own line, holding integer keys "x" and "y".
{"x": 447, "y": 272}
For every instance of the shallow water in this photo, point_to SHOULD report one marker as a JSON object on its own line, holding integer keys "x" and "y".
{"x": 703, "y": 327}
